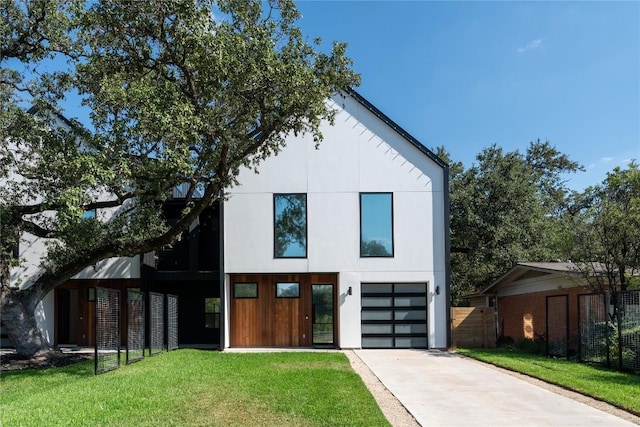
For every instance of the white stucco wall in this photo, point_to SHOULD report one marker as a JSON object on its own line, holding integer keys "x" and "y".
{"x": 359, "y": 154}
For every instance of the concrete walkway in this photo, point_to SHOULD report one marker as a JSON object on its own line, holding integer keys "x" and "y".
{"x": 442, "y": 389}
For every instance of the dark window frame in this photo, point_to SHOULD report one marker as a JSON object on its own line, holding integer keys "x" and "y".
{"x": 216, "y": 314}
{"x": 245, "y": 283}
{"x": 288, "y": 283}
{"x": 393, "y": 243}
{"x": 306, "y": 227}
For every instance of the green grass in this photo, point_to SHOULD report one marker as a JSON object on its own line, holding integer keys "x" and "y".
{"x": 617, "y": 388}
{"x": 194, "y": 388}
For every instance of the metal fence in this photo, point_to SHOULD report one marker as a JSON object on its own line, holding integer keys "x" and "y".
{"x": 156, "y": 323}
{"x": 107, "y": 330}
{"x": 628, "y": 323}
{"x": 172, "y": 322}
{"x": 557, "y": 325}
{"x": 610, "y": 329}
{"x": 135, "y": 325}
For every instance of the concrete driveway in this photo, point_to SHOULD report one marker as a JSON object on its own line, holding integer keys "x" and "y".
{"x": 443, "y": 389}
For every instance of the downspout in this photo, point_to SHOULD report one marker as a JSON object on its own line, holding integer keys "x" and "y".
{"x": 447, "y": 252}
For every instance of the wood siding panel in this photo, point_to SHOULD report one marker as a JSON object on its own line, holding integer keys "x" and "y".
{"x": 268, "y": 321}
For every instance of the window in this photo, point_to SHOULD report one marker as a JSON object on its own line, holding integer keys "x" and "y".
{"x": 90, "y": 214}
{"x": 376, "y": 225}
{"x": 212, "y": 313}
{"x": 290, "y": 225}
{"x": 287, "y": 290}
{"x": 15, "y": 250}
{"x": 245, "y": 290}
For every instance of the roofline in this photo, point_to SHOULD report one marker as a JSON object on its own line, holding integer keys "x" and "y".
{"x": 35, "y": 109}
{"x": 445, "y": 171}
{"x": 393, "y": 125}
{"x": 524, "y": 266}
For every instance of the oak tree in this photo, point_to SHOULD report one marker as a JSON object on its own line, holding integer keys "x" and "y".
{"x": 180, "y": 92}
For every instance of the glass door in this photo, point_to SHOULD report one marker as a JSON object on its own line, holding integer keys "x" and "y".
{"x": 322, "y": 315}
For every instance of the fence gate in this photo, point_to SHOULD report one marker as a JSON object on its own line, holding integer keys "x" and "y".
{"x": 107, "y": 330}
{"x": 156, "y": 323}
{"x": 135, "y": 325}
{"x": 629, "y": 329}
{"x": 594, "y": 328}
{"x": 473, "y": 327}
{"x": 172, "y": 322}
{"x": 558, "y": 325}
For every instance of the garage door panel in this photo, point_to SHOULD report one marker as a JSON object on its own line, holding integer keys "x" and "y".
{"x": 410, "y": 301}
{"x": 377, "y": 301}
{"x": 410, "y": 315}
{"x": 377, "y": 315}
{"x": 419, "y": 328}
{"x": 376, "y": 342}
{"x": 394, "y": 315}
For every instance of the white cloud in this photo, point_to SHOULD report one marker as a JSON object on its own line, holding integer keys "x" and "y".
{"x": 606, "y": 159}
{"x": 591, "y": 166}
{"x": 627, "y": 161}
{"x": 533, "y": 44}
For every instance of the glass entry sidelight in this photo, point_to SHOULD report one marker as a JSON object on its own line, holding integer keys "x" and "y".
{"x": 322, "y": 314}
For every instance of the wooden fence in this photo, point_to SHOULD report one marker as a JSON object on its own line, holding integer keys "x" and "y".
{"x": 473, "y": 327}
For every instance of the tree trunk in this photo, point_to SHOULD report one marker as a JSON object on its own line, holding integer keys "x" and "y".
{"x": 19, "y": 322}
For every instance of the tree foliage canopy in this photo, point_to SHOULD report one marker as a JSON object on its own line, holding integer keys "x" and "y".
{"x": 504, "y": 209}
{"x": 604, "y": 235}
{"x": 179, "y": 93}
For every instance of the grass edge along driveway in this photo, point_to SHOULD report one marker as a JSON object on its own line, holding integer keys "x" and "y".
{"x": 195, "y": 388}
{"x": 621, "y": 389}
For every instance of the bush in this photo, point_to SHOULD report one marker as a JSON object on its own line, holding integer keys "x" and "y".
{"x": 524, "y": 345}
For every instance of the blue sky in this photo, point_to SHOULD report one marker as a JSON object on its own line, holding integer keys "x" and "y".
{"x": 469, "y": 74}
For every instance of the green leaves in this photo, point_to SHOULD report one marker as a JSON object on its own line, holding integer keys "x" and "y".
{"x": 504, "y": 209}
{"x": 178, "y": 92}
{"x": 607, "y": 224}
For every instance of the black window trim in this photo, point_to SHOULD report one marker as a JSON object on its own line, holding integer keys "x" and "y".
{"x": 393, "y": 243}
{"x": 306, "y": 228}
{"x": 287, "y": 297}
{"x": 245, "y": 283}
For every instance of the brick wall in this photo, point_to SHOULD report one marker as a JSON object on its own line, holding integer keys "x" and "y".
{"x": 524, "y": 316}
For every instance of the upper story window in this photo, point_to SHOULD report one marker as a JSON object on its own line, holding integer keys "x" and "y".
{"x": 376, "y": 224}
{"x": 89, "y": 214}
{"x": 290, "y": 225}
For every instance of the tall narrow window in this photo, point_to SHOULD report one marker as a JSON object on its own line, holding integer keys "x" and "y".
{"x": 376, "y": 225}
{"x": 212, "y": 313}
{"x": 290, "y": 225}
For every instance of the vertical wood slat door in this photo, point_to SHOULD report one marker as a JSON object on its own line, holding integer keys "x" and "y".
{"x": 270, "y": 321}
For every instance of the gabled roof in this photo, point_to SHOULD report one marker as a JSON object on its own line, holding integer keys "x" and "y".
{"x": 523, "y": 268}
{"x": 393, "y": 125}
{"x": 35, "y": 109}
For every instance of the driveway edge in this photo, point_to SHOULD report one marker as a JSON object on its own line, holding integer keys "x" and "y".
{"x": 392, "y": 408}
{"x": 587, "y": 400}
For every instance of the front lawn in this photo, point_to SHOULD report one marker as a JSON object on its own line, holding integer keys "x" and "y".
{"x": 617, "y": 388}
{"x": 194, "y": 388}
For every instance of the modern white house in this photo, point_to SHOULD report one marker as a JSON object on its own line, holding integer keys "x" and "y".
{"x": 345, "y": 244}
{"x": 342, "y": 245}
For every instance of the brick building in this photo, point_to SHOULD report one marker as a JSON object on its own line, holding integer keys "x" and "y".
{"x": 537, "y": 300}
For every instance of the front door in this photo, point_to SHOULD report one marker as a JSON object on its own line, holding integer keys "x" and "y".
{"x": 322, "y": 311}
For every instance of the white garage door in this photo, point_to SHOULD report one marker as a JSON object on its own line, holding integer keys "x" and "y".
{"x": 394, "y": 315}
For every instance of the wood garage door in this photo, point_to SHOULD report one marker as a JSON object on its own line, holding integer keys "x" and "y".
{"x": 394, "y": 315}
